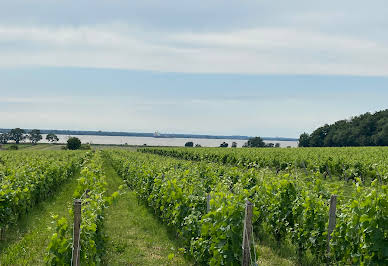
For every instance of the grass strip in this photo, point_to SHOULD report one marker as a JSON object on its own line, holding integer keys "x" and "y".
{"x": 26, "y": 242}
{"x": 134, "y": 235}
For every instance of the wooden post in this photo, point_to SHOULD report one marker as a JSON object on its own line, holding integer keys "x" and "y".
{"x": 346, "y": 175}
{"x": 304, "y": 167}
{"x": 333, "y": 205}
{"x": 208, "y": 202}
{"x": 328, "y": 171}
{"x": 76, "y": 233}
{"x": 1, "y": 234}
{"x": 247, "y": 234}
{"x": 379, "y": 177}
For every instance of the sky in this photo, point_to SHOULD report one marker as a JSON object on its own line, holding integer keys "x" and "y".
{"x": 265, "y": 68}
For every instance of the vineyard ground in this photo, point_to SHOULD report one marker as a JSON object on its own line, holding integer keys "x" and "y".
{"x": 26, "y": 242}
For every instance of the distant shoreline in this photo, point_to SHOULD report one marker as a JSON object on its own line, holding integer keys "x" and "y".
{"x": 151, "y": 135}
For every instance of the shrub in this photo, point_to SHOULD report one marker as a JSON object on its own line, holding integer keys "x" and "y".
{"x": 189, "y": 144}
{"x": 73, "y": 143}
{"x": 13, "y": 147}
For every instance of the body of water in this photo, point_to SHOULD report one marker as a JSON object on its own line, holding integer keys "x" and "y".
{"x": 121, "y": 140}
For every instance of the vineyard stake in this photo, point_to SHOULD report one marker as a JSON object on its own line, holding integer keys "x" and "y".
{"x": 345, "y": 173}
{"x": 304, "y": 167}
{"x": 76, "y": 233}
{"x": 208, "y": 202}
{"x": 379, "y": 177}
{"x": 333, "y": 204}
{"x": 328, "y": 170}
{"x": 247, "y": 234}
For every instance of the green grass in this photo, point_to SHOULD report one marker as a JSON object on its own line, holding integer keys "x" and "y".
{"x": 26, "y": 242}
{"x": 134, "y": 235}
{"x": 29, "y": 146}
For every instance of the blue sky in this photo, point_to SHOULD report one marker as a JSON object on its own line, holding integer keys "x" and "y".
{"x": 268, "y": 68}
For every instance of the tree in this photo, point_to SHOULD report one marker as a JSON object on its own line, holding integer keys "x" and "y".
{"x": 35, "y": 136}
{"x": 73, "y": 143}
{"x": 317, "y": 138}
{"x": 363, "y": 130}
{"x": 52, "y": 137}
{"x": 189, "y": 144}
{"x": 234, "y": 144}
{"x": 4, "y": 137}
{"x": 198, "y": 145}
{"x": 304, "y": 140}
{"x": 269, "y": 145}
{"x": 277, "y": 145}
{"x": 224, "y": 145}
{"x": 17, "y": 135}
{"x": 254, "y": 142}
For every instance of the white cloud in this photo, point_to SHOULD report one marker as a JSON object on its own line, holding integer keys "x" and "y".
{"x": 255, "y": 51}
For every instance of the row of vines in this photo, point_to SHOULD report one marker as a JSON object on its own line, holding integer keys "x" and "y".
{"x": 286, "y": 208}
{"x": 27, "y": 178}
{"x": 366, "y": 163}
{"x": 91, "y": 190}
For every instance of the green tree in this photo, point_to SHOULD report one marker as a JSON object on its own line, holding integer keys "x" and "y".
{"x": 224, "y": 145}
{"x": 363, "y": 130}
{"x": 234, "y": 144}
{"x": 304, "y": 140}
{"x": 277, "y": 145}
{"x": 4, "y": 137}
{"x": 17, "y": 135}
{"x": 381, "y": 139}
{"x": 189, "y": 144}
{"x": 255, "y": 142}
{"x": 35, "y": 136}
{"x": 52, "y": 137}
{"x": 317, "y": 138}
{"x": 73, "y": 143}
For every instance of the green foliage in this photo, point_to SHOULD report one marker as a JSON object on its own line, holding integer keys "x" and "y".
{"x": 35, "y": 136}
{"x": 13, "y": 147}
{"x": 73, "y": 143}
{"x": 91, "y": 189}
{"x": 189, "y": 144}
{"x": 17, "y": 135}
{"x": 304, "y": 140}
{"x": 86, "y": 147}
{"x": 4, "y": 138}
{"x": 224, "y": 145}
{"x": 29, "y": 178}
{"x": 345, "y": 163}
{"x": 289, "y": 209}
{"x": 254, "y": 142}
{"x": 52, "y": 137}
{"x": 361, "y": 235}
{"x": 364, "y": 130}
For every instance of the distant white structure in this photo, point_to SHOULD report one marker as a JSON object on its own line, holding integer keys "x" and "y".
{"x": 156, "y": 134}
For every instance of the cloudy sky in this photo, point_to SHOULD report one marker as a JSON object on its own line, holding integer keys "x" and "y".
{"x": 268, "y": 68}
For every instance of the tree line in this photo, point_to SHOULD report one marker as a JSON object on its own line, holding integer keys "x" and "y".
{"x": 17, "y": 135}
{"x": 256, "y": 142}
{"x": 363, "y": 130}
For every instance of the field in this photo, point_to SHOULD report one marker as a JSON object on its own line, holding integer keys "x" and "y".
{"x": 183, "y": 206}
